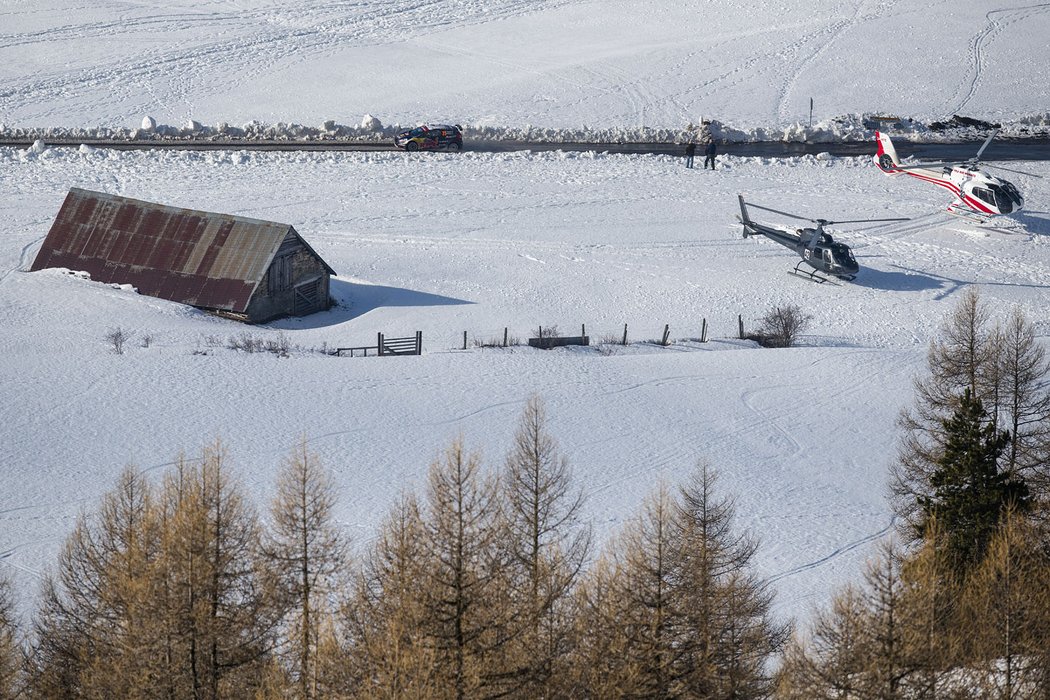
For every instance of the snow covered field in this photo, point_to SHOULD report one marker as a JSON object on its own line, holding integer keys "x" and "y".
{"x": 446, "y": 244}
{"x": 479, "y": 242}
{"x": 562, "y": 64}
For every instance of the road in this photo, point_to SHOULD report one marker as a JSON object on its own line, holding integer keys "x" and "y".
{"x": 1003, "y": 149}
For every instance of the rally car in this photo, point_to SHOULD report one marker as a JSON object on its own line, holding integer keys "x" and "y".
{"x": 430, "y": 137}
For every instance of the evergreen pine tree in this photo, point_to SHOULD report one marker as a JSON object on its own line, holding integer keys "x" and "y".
{"x": 970, "y": 493}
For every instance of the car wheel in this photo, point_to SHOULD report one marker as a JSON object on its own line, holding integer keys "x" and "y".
{"x": 455, "y": 147}
{"x": 411, "y": 146}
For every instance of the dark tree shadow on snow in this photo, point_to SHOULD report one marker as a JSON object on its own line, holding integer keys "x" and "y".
{"x": 354, "y": 300}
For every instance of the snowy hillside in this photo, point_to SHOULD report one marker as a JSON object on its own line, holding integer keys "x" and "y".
{"x": 479, "y": 243}
{"x": 562, "y": 64}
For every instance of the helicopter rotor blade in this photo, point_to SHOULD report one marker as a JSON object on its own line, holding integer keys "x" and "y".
{"x": 1011, "y": 170}
{"x": 865, "y": 221}
{"x": 986, "y": 142}
{"x": 777, "y": 211}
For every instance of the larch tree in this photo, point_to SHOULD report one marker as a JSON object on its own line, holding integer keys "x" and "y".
{"x": 598, "y": 663}
{"x": 830, "y": 661}
{"x": 546, "y": 543}
{"x": 726, "y": 631}
{"x": 650, "y": 612}
{"x": 860, "y": 647}
{"x": 1005, "y": 614}
{"x": 462, "y": 580}
{"x": 223, "y": 623}
{"x": 387, "y": 652}
{"x": 1025, "y": 401}
{"x": 307, "y": 552}
{"x": 96, "y": 630}
{"x": 9, "y": 645}
{"x": 929, "y": 613}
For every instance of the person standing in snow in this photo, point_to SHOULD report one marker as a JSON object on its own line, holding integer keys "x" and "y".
{"x": 705, "y": 137}
{"x": 709, "y": 155}
{"x": 690, "y": 151}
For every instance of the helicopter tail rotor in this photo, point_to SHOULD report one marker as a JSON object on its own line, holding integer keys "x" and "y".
{"x": 886, "y": 155}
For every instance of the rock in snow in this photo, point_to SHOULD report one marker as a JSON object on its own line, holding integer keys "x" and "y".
{"x": 149, "y": 123}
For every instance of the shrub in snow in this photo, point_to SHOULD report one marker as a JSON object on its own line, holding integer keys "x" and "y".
{"x": 193, "y": 126}
{"x": 782, "y": 325}
{"x": 117, "y": 337}
{"x": 38, "y": 146}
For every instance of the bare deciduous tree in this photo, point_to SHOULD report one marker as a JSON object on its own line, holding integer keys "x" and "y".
{"x": 782, "y": 325}
{"x": 222, "y": 616}
{"x": 1004, "y": 611}
{"x": 307, "y": 552}
{"x": 387, "y": 650}
{"x": 547, "y": 545}
{"x": 9, "y": 648}
{"x": 462, "y": 577}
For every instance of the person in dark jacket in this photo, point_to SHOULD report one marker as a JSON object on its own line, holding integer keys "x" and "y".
{"x": 709, "y": 155}
{"x": 690, "y": 151}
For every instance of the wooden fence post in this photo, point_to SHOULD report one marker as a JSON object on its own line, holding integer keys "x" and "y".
{"x": 625, "y": 334}
{"x": 667, "y": 332}
{"x": 504, "y": 336}
{"x": 583, "y": 330}
{"x": 703, "y": 331}
{"x": 740, "y": 321}
{"x": 464, "y": 340}
{"x": 419, "y": 342}
{"x": 379, "y": 345}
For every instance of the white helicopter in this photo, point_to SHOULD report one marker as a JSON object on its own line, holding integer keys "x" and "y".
{"x": 978, "y": 194}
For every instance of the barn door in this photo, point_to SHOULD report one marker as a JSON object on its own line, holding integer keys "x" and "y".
{"x": 307, "y": 298}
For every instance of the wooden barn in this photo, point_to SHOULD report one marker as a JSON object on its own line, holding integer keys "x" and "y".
{"x": 250, "y": 269}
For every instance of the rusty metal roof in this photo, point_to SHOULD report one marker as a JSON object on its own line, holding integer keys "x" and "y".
{"x": 215, "y": 261}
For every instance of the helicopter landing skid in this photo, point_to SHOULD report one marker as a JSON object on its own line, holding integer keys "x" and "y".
{"x": 809, "y": 274}
{"x": 967, "y": 216}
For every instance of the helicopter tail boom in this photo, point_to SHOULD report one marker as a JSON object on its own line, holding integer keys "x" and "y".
{"x": 744, "y": 218}
{"x": 886, "y": 156}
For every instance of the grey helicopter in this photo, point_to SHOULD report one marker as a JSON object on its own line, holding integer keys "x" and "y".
{"x": 815, "y": 246}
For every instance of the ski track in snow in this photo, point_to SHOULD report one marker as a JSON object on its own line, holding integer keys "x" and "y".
{"x": 826, "y": 39}
{"x": 998, "y": 22}
{"x": 231, "y": 45}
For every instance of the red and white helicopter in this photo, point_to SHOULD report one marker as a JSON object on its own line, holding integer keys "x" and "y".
{"x": 978, "y": 194}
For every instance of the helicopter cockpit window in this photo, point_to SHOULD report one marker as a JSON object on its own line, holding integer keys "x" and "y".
{"x": 843, "y": 256}
{"x": 1003, "y": 200}
{"x": 984, "y": 195}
